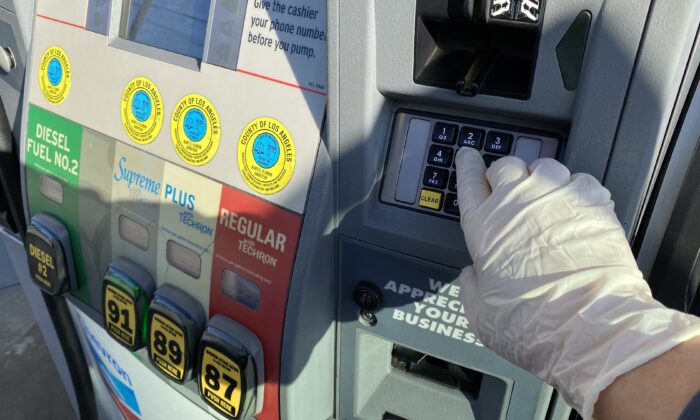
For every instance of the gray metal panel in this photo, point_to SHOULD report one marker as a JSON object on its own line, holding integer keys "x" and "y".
{"x": 224, "y": 32}
{"x": 308, "y": 342}
{"x": 375, "y": 386}
{"x": 607, "y": 67}
{"x": 98, "y": 16}
{"x": 682, "y": 154}
{"x": 19, "y": 269}
{"x": 550, "y": 100}
{"x": 655, "y": 99}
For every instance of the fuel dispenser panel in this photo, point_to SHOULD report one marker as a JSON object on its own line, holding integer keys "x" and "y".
{"x": 168, "y": 179}
{"x": 415, "y": 341}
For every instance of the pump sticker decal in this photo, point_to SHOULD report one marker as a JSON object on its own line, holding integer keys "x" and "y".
{"x": 142, "y": 110}
{"x": 119, "y": 315}
{"x": 195, "y": 129}
{"x": 55, "y": 75}
{"x": 220, "y": 381}
{"x": 266, "y": 155}
{"x": 167, "y": 346}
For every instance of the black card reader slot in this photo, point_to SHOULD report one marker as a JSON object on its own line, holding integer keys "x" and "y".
{"x": 472, "y": 55}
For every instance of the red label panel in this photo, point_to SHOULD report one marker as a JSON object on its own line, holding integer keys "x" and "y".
{"x": 257, "y": 241}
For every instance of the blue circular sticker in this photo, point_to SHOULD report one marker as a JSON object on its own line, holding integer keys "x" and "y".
{"x": 266, "y": 150}
{"x": 141, "y": 106}
{"x": 195, "y": 125}
{"x": 55, "y": 71}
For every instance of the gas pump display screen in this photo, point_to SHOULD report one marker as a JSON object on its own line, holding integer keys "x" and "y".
{"x": 174, "y": 25}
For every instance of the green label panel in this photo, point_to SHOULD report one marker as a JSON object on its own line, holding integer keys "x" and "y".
{"x": 53, "y": 158}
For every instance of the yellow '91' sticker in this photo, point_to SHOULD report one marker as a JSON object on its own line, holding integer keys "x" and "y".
{"x": 266, "y": 155}
{"x": 167, "y": 346}
{"x": 142, "y": 110}
{"x": 220, "y": 381}
{"x": 55, "y": 75}
{"x": 120, "y": 315}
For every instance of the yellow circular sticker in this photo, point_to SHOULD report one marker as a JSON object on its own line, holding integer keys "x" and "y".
{"x": 195, "y": 129}
{"x": 142, "y": 110}
{"x": 266, "y": 155}
{"x": 55, "y": 75}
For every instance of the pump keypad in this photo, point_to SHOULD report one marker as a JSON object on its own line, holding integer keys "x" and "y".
{"x": 420, "y": 171}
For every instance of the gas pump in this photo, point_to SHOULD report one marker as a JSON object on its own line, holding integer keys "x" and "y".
{"x": 248, "y": 208}
{"x": 172, "y": 153}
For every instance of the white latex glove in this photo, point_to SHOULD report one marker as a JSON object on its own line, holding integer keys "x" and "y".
{"x": 555, "y": 288}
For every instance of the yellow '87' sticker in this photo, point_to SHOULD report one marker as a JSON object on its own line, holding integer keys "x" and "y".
{"x": 167, "y": 346}
{"x": 220, "y": 381}
{"x": 120, "y": 315}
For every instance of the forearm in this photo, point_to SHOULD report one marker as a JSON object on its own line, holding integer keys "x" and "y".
{"x": 658, "y": 389}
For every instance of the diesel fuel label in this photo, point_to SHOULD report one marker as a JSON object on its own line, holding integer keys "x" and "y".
{"x": 220, "y": 381}
{"x": 55, "y": 75}
{"x": 195, "y": 129}
{"x": 167, "y": 346}
{"x": 119, "y": 315}
{"x": 42, "y": 264}
{"x": 142, "y": 110}
{"x": 266, "y": 155}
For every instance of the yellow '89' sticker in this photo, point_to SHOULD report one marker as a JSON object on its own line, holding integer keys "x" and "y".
{"x": 55, "y": 75}
{"x": 266, "y": 155}
{"x": 142, "y": 110}
{"x": 120, "y": 315}
{"x": 220, "y": 381}
{"x": 167, "y": 346}
{"x": 195, "y": 129}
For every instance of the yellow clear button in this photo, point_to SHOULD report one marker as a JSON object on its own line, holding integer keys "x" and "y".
{"x": 430, "y": 199}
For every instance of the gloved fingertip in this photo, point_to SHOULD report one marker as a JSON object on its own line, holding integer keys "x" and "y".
{"x": 472, "y": 186}
{"x": 467, "y": 158}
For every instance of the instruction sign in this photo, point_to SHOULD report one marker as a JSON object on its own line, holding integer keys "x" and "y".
{"x": 286, "y": 40}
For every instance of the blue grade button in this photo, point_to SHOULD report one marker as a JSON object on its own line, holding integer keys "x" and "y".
{"x": 266, "y": 150}
{"x": 55, "y": 71}
{"x": 141, "y": 106}
{"x": 195, "y": 125}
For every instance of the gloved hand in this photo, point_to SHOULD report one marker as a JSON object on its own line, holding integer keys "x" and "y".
{"x": 554, "y": 287}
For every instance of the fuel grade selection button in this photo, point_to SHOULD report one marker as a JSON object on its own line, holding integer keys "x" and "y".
{"x": 175, "y": 323}
{"x": 49, "y": 255}
{"x": 230, "y": 368}
{"x": 127, "y": 290}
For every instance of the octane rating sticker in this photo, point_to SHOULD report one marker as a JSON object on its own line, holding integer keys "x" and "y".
{"x": 167, "y": 346}
{"x": 55, "y": 75}
{"x": 266, "y": 155}
{"x": 142, "y": 110}
{"x": 195, "y": 129}
{"x": 120, "y": 315}
{"x": 220, "y": 381}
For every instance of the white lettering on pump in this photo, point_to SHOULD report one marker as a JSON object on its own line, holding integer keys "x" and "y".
{"x": 252, "y": 229}
{"x": 437, "y": 309}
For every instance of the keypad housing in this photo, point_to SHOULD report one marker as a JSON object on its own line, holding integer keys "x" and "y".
{"x": 420, "y": 168}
